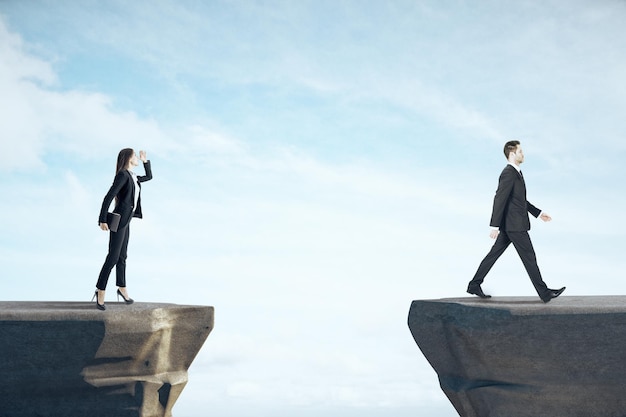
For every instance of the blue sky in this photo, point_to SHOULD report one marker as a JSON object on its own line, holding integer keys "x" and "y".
{"x": 317, "y": 166}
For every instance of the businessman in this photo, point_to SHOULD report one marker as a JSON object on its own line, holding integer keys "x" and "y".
{"x": 510, "y": 224}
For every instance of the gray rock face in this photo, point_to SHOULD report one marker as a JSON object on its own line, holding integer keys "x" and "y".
{"x": 519, "y": 357}
{"x": 62, "y": 359}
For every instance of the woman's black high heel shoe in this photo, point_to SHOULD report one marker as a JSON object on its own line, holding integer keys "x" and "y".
{"x": 98, "y": 305}
{"x": 126, "y": 300}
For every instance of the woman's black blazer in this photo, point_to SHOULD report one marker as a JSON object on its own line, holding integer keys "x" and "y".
{"x": 124, "y": 189}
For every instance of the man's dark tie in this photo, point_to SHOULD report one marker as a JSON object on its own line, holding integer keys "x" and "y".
{"x": 522, "y": 175}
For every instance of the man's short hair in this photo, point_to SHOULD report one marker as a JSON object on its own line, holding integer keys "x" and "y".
{"x": 510, "y": 146}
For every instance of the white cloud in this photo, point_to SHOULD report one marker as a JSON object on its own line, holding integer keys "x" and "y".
{"x": 210, "y": 142}
{"x": 38, "y": 119}
{"x": 20, "y": 75}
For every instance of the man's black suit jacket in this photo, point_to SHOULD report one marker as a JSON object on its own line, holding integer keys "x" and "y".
{"x": 510, "y": 207}
{"x": 124, "y": 188}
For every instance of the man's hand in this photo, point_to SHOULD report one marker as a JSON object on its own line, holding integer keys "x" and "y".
{"x": 545, "y": 217}
{"x": 104, "y": 226}
{"x": 494, "y": 233}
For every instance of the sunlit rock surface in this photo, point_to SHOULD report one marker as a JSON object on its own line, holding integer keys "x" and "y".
{"x": 519, "y": 357}
{"x": 63, "y": 359}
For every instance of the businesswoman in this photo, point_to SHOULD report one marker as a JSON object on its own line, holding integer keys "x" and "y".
{"x": 126, "y": 190}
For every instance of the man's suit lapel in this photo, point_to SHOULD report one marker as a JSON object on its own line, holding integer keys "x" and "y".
{"x": 519, "y": 176}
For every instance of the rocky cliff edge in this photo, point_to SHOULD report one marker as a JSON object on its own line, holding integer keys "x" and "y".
{"x": 70, "y": 359}
{"x": 519, "y": 357}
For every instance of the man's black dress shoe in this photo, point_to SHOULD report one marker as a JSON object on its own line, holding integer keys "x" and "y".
{"x": 477, "y": 291}
{"x": 552, "y": 294}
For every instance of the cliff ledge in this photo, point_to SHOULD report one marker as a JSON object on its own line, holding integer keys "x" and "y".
{"x": 69, "y": 359}
{"x": 519, "y": 357}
